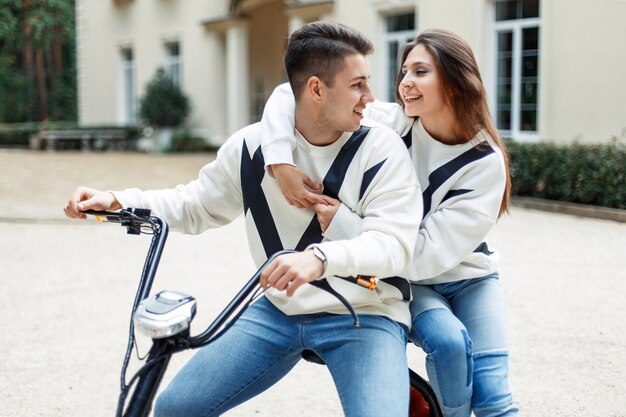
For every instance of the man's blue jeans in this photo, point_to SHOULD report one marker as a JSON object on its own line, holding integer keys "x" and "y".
{"x": 368, "y": 364}
{"x": 462, "y": 328}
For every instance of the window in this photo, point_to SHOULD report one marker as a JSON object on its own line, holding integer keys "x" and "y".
{"x": 173, "y": 64}
{"x": 399, "y": 29}
{"x": 128, "y": 79}
{"x": 517, "y": 67}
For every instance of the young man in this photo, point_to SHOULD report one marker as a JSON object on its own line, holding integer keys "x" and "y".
{"x": 364, "y": 166}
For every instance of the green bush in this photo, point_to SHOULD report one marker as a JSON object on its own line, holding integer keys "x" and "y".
{"x": 185, "y": 141}
{"x": 163, "y": 103}
{"x": 18, "y": 135}
{"x": 577, "y": 173}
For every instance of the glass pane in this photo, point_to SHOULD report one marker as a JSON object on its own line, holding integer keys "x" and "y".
{"x": 516, "y": 9}
{"x": 504, "y": 95}
{"x": 530, "y": 8}
{"x": 503, "y": 105}
{"x": 529, "y": 66}
{"x": 392, "y": 61}
{"x": 505, "y": 68}
{"x": 530, "y": 39}
{"x": 175, "y": 73}
{"x": 504, "y": 120}
{"x": 505, "y": 73}
{"x": 506, "y": 10}
{"x": 505, "y": 42}
{"x": 529, "y": 120}
{"x": 529, "y": 93}
{"x": 174, "y": 49}
{"x": 401, "y": 22}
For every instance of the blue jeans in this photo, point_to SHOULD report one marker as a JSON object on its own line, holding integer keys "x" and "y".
{"x": 368, "y": 364}
{"x": 462, "y": 328}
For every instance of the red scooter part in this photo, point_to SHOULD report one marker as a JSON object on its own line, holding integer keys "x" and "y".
{"x": 418, "y": 406}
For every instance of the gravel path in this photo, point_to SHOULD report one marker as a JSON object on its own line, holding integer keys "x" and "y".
{"x": 67, "y": 287}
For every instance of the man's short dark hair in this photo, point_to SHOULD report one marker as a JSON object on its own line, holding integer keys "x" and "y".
{"x": 319, "y": 49}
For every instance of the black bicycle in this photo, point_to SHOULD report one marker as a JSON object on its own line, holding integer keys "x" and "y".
{"x": 166, "y": 316}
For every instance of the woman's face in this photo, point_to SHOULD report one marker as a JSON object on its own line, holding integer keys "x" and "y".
{"x": 421, "y": 88}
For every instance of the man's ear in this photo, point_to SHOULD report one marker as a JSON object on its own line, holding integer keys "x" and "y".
{"x": 314, "y": 88}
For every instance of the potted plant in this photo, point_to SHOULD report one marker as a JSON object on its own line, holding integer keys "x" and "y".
{"x": 163, "y": 107}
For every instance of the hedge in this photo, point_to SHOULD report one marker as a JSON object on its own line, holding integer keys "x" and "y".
{"x": 577, "y": 173}
{"x": 17, "y": 135}
{"x": 185, "y": 141}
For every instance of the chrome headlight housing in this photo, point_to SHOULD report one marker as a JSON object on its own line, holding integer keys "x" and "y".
{"x": 165, "y": 314}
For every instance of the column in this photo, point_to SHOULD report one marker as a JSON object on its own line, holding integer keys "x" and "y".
{"x": 237, "y": 83}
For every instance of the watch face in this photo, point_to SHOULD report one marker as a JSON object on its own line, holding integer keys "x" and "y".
{"x": 318, "y": 253}
{"x": 321, "y": 256}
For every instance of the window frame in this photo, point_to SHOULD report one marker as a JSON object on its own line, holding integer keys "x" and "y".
{"x": 516, "y": 26}
{"x": 129, "y": 95}
{"x": 401, "y": 37}
{"x": 174, "y": 63}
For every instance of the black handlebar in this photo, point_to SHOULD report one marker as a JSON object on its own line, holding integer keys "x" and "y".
{"x": 150, "y": 375}
{"x": 135, "y": 220}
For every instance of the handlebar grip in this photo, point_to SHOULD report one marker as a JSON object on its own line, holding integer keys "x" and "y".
{"x": 100, "y": 212}
{"x": 105, "y": 216}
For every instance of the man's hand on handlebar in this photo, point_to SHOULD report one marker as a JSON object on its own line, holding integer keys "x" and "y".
{"x": 290, "y": 271}
{"x": 85, "y": 198}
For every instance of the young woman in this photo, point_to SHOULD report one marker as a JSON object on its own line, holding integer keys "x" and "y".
{"x": 462, "y": 165}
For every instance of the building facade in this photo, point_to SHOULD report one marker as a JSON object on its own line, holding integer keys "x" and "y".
{"x": 554, "y": 69}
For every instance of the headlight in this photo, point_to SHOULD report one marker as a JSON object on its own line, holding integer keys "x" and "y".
{"x": 165, "y": 314}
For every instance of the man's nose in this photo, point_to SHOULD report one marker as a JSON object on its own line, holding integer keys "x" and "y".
{"x": 368, "y": 96}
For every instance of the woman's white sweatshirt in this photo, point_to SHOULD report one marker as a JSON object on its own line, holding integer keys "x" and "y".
{"x": 462, "y": 188}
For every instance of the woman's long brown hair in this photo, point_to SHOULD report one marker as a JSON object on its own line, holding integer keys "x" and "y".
{"x": 463, "y": 88}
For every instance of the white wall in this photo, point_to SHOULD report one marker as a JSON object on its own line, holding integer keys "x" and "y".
{"x": 582, "y": 56}
{"x": 584, "y": 68}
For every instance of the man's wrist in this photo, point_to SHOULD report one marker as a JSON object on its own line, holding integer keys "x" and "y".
{"x": 319, "y": 254}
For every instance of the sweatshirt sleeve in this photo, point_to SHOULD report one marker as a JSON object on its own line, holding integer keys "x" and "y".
{"x": 346, "y": 224}
{"x": 461, "y": 223}
{"x": 211, "y": 200}
{"x": 277, "y": 127}
{"x": 390, "y": 115}
{"x": 392, "y": 209}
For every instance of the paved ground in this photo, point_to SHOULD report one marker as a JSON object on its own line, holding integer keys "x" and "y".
{"x": 66, "y": 287}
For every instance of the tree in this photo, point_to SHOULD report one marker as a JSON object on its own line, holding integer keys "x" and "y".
{"x": 37, "y": 60}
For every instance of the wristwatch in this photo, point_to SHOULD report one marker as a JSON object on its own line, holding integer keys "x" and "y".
{"x": 319, "y": 254}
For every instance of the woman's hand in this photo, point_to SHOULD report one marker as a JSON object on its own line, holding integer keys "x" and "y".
{"x": 293, "y": 184}
{"x": 326, "y": 211}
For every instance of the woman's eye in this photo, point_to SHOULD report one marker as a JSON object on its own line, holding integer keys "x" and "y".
{"x": 420, "y": 72}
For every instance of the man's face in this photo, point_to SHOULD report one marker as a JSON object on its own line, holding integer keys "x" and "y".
{"x": 345, "y": 101}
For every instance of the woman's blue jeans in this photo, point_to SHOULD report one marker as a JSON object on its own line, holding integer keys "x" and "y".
{"x": 368, "y": 364}
{"x": 462, "y": 328}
